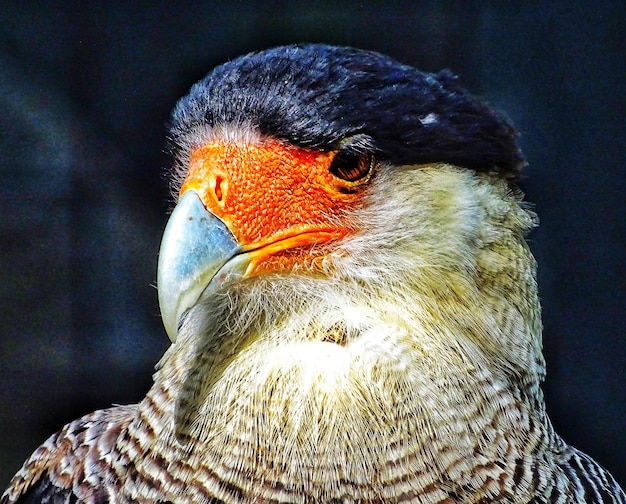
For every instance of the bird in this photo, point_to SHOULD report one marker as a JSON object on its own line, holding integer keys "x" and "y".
{"x": 351, "y": 301}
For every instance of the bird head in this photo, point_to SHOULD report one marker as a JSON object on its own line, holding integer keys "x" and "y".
{"x": 310, "y": 169}
{"x": 347, "y": 251}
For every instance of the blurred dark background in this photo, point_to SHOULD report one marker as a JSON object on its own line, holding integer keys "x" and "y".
{"x": 85, "y": 92}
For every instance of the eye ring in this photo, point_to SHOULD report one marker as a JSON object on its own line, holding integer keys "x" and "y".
{"x": 352, "y": 168}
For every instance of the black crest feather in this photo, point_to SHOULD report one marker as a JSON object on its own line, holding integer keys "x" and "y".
{"x": 323, "y": 97}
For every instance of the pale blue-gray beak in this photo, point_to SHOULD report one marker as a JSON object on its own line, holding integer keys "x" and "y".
{"x": 195, "y": 245}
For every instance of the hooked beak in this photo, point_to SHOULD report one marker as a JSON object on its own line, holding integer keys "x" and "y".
{"x": 195, "y": 250}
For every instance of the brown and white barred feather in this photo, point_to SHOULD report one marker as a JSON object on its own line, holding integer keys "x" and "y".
{"x": 77, "y": 464}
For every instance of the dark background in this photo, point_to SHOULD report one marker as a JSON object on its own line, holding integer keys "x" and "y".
{"x": 85, "y": 92}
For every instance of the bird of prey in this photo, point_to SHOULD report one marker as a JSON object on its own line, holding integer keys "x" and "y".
{"x": 351, "y": 300}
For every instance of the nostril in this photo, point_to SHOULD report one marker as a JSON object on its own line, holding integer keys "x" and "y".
{"x": 218, "y": 188}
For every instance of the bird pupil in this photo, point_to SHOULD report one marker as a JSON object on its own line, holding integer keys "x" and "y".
{"x": 351, "y": 167}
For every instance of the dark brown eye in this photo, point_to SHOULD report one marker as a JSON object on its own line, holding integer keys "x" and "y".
{"x": 351, "y": 167}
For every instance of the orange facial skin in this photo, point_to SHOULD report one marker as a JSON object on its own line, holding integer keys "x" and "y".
{"x": 278, "y": 200}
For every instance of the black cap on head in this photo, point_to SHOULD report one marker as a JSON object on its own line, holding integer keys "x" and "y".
{"x": 326, "y": 97}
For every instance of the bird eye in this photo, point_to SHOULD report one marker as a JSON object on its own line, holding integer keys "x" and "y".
{"x": 351, "y": 167}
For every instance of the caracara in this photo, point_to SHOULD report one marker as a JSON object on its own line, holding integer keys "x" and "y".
{"x": 351, "y": 302}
